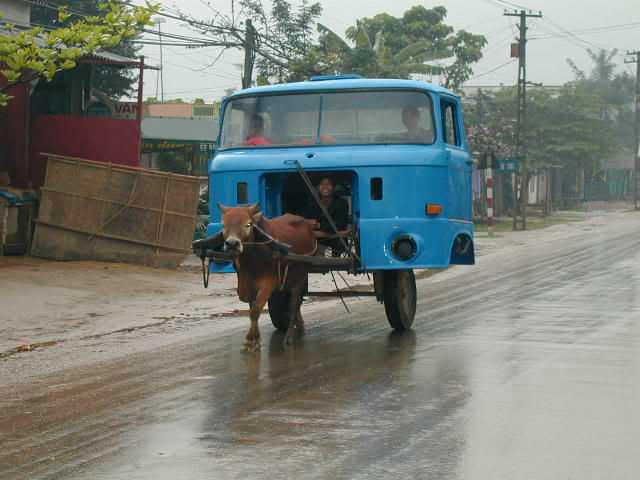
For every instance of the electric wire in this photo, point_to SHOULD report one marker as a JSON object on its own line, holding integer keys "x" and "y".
{"x": 571, "y": 37}
{"x": 591, "y": 31}
{"x": 494, "y": 69}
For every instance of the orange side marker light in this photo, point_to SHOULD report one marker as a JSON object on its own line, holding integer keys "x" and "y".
{"x": 434, "y": 209}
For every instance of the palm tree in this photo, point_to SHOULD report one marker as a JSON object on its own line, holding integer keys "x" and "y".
{"x": 600, "y": 81}
{"x": 603, "y": 68}
{"x": 375, "y": 58}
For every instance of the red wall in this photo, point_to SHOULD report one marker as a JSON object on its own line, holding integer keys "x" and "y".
{"x": 92, "y": 138}
{"x": 14, "y": 121}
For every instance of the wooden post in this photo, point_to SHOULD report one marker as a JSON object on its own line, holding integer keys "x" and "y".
{"x": 490, "y": 219}
{"x": 27, "y": 136}
{"x": 139, "y": 110}
{"x": 249, "y": 54}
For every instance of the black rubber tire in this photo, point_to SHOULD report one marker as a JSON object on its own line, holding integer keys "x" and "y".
{"x": 400, "y": 296}
{"x": 279, "y": 310}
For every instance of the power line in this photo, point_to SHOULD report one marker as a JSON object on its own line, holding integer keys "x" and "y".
{"x": 180, "y": 40}
{"x": 502, "y": 42}
{"x": 197, "y": 23}
{"x": 505, "y": 4}
{"x": 494, "y": 69}
{"x": 200, "y": 68}
{"x": 494, "y": 3}
{"x": 175, "y": 44}
{"x": 212, "y": 74}
{"x": 568, "y": 34}
{"x": 486, "y": 21}
{"x": 593, "y": 30}
{"x": 563, "y": 36}
{"x": 189, "y": 42}
{"x": 201, "y": 90}
{"x": 191, "y": 69}
{"x": 176, "y": 36}
{"x": 514, "y": 5}
{"x": 500, "y": 31}
{"x": 55, "y": 7}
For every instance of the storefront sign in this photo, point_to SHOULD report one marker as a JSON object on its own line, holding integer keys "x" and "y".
{"x": 508, "y": 164}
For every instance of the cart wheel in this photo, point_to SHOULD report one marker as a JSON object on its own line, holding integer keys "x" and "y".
{"x": 279, "y": 310}
{"x": 399, "y": 292}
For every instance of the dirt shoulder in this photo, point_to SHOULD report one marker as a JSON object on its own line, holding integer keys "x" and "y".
{"x": 46, "y": 301}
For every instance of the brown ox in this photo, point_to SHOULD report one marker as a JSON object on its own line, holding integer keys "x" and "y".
{"x": 260, "y": 272}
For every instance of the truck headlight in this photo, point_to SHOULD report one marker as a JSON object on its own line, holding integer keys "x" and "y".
{"x": 404, "y": 248}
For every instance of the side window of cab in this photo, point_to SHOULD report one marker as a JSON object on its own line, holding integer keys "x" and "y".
{"x": 450, "y": 133}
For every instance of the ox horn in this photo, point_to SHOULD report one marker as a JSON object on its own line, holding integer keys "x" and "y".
{"x": 223, "y": 208}
{"x": 253, "y": 209}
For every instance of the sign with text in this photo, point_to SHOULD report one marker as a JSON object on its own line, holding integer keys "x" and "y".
{"x": 125, "y": 109}
{"x": 508, "y": 165}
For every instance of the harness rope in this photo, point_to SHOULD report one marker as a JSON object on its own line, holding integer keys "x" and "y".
{"x": 205, "y": 272}
{"x": 271, "y": 239}
{"x": 282, "y": 276}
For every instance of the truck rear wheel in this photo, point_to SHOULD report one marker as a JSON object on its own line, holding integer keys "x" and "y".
{"x": 399, "y": 295}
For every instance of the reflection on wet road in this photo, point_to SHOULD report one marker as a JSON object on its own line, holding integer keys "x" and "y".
{"x": 527, "y": 367}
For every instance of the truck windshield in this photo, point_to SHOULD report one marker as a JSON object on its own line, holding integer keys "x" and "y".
{"x": 363, "y": 117}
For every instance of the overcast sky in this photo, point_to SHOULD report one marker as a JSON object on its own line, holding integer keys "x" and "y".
{"x": 185, "y": 77}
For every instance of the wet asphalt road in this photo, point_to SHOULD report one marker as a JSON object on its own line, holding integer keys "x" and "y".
{"x": 524, "y": 367}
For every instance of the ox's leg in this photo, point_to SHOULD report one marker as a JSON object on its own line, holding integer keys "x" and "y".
{"x": 295, "y": 322}
{"x": 299, "y": 319}
{"x": 249, "y": 339}
{"x": 252, "y": 342}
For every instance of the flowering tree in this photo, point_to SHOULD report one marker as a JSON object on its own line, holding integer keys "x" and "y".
{"x": 28, "y": 55}
{"x": 491, "y": 124}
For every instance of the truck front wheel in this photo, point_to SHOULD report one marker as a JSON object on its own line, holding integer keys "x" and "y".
{"x": 399, "y": 296}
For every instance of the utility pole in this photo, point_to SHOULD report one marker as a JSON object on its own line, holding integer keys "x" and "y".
{"x": 160, "y": 21}
{"x": 249, "y": 54}
{"x": 488, "y": 156}
{"x": 636, "y": 146}
{"x": 521, "y": 148}
{"x": 139, "y": 112}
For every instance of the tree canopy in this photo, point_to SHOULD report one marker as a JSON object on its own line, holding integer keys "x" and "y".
{"x": 279, "y": 35}
{"x": 396, "y": 47}
{"x": 114, "y": 82}
{"x": 38, "y": 52}
{"x": 580, "y": 125}
{"x": 291, "y": 45}
{"x": 614, "y": 91}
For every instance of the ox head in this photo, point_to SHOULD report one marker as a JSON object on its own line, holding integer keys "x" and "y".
{"x": 238, "y": 225}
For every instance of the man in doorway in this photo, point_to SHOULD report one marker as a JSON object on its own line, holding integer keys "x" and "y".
{"x": 337, "y": 208}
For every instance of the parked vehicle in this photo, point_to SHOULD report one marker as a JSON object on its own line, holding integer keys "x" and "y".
{"x": 398, "y": 153}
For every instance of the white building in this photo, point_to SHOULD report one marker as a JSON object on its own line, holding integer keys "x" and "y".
{"x": 16, "y": 12}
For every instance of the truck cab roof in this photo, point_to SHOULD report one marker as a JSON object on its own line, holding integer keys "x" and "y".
{"x": 343, "y": 82}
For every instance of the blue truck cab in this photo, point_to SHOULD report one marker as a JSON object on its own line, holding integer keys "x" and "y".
{"x": 396, "y": 148}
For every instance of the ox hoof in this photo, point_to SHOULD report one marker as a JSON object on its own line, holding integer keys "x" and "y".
{"x": 253, "y": 346}
{"x": 289, "y": 338}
